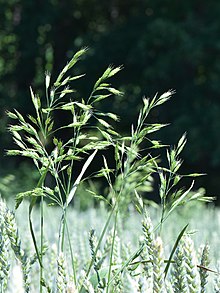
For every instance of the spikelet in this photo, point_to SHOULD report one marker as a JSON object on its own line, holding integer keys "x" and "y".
{"x": 96, "y": 257}
{"x": 158, "y": 270}
{"x": 21, "y": 255}
{"x": 179, "y": 272}
{"x": 4, "y": 254}
{"x": 93, "y": 245}
{"x": 192, "y": 274}
{"x": 61, "y": 274}
{"x": 107, "y": 244}
{"x": 117, "y": 260}
{"x": 147, "y": 228}
{"x": 205, "y": 261}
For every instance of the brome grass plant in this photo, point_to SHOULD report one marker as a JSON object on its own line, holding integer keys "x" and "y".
{"x": 111, "y": 266}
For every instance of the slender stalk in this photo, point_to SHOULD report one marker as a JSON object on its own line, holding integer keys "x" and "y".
{"x": 112, "y": 249}
{"x": 41, "y": 241}
{"x": 71, "y": 253}
{"x": 63, "y": 230}
{"x": 33, "y": 202}
{"x": 162, "y": 215}
{"x": 61, "y": 239}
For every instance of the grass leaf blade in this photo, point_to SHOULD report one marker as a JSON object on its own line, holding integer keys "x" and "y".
{"x": 76, "y": 183}
{"x": 174, "y": 249}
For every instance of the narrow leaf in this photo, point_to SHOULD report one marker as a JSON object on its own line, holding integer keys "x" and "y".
{"x": 76, "y": 183}
{"x": 77, "y": 76}
{"x": 174, "y": 249}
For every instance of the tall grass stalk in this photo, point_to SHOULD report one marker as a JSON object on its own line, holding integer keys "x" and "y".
{"x": 112, "y": 251}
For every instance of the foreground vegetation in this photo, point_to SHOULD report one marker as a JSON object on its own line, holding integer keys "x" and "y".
{"x": 139, "y": 276}
{"x": 113, "y": 265}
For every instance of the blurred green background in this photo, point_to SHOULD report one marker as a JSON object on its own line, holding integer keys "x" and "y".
{"x": 161, "y": 44}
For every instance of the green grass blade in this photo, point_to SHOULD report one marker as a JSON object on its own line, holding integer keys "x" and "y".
{"x": 32, "y": 204}
{"x": 174, "y": 249}
{"x": 76, "y": 183}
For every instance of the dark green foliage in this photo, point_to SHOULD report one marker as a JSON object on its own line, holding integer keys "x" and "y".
{"x": 162, "y": 44}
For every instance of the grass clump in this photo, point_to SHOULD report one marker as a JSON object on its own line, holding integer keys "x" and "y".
{"x": 111, "y": 265}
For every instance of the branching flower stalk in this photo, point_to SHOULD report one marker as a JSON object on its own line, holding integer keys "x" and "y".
{"x": 32, "y": 137}
{"x": 171, "y": 196}
{"x": 127, "y": 160}
{"x": 35, "y": 136}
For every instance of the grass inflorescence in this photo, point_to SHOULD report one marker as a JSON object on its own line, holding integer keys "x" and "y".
{"x": 111, "y": 265}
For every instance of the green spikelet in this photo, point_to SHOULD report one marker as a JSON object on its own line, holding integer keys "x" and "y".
{"x": 158, "y": 270}
{"x": 179, "y": 272}
{"x": 147, "y": 228}
{"x": 4, "y": 255}
{"x": 205, "y": 261}
{"x": 117, "y": 260}
{"x": 61, "y": 274}
{"x": 107, "y": 245}
{"x": 192, "y": 274}
{"x": 93, "y": 244}
{"x": 96, "y": 257}
{"x": 21, "y": 255}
